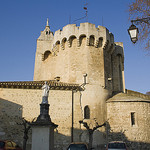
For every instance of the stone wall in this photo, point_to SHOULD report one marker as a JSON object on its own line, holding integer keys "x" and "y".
{"x": 24, "y": 103}
{"x": 121, "y": 126}
{"x": 18, "y": 103}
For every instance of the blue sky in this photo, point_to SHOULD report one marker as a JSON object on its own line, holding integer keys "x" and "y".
{"x": 21, "y": 22}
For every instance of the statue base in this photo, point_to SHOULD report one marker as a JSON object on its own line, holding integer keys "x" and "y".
{"x": 45, "y": 100}
{"x": 43, "y": 130}
{"x": 44, "y": 116}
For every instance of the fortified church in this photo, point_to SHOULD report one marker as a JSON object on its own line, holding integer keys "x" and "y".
{"x": 84, "y": 68}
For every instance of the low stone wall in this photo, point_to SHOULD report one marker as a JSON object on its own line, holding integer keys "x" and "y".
{"x": 24, "y": 103}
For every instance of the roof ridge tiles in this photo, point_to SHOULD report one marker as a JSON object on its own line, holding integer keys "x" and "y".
{"x": 36, "y": 84}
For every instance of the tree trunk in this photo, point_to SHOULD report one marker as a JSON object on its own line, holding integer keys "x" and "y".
{"x": 24, "y": 144}
{"x": 90, "y": 140}
{"x": 25, "y": 138}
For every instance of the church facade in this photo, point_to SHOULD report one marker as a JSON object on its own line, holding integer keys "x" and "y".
{"x": 84, "y": 68}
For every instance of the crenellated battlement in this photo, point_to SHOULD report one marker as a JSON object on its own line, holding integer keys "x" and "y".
{"x": 97, "y": 37}
{"x": 88, "y": 30}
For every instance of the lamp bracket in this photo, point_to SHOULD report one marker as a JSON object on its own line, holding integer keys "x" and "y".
{"x": 138, "y": 21}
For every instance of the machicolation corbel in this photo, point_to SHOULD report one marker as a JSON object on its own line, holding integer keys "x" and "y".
{"x": 87, "y": 41}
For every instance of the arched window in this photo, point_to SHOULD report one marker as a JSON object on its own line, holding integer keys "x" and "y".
{"x": 64, "y": 42}
{"x": 58, "y": 42}
{"x": 46, "y": 54}
{"x": 47, "y": 32}
{"x": 71, "y": 40}
{"x": 92, "y": 39}
{"x": 100, "y": 42}
{"x": 81, "y": 39}
{"x": 86, "y": 112}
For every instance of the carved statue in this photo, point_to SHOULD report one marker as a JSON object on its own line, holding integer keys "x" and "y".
{"x": 45, "y": 89}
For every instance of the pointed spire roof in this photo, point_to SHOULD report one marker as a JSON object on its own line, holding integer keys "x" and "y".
{"x": 47, "y": 28}
{"x": 46, "y": 34}
{"x": 47, "y": 23}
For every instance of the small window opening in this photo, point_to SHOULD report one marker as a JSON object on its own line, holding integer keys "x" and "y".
{"x": 81, "y": 39}
{"x": 86, "y": 112}
{"x": 132, "y": 118}
{"x": 47, "y": 32}
{"x": 100, "y": 42}
{"x": 46, "y": 55}
{"x": 64, "y": 40}
{"x": 92, "y": 39}
{"x": 71, "y": 39}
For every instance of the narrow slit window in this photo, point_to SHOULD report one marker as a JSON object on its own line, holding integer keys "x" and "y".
{"x": 132, "y": 118}
{"x": 86, "y": 112}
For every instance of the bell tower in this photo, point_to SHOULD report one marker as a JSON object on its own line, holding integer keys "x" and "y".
{"x": 77, "y": 50}
{"x": 43, "y": 50}
{"x": 74, "y": 51}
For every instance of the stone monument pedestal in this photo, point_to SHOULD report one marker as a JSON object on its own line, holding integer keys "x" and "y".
{"x": 43, "y": 137}
{"x": 43, "y": 130}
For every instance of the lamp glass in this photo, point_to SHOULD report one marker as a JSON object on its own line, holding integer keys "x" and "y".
{"x": 133, "y": 32}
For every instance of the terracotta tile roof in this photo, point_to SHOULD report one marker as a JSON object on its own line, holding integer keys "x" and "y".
{"x": 129, "y": 96}
{"x": 54, "y": 85}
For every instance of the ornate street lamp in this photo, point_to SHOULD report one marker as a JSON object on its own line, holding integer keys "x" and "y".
{"x": 133, "y": 32}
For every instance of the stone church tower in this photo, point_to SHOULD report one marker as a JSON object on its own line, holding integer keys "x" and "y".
{"x": 74, "y": 51}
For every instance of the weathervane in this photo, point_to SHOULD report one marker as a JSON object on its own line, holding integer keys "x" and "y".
{"x": 86, "y": 12}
